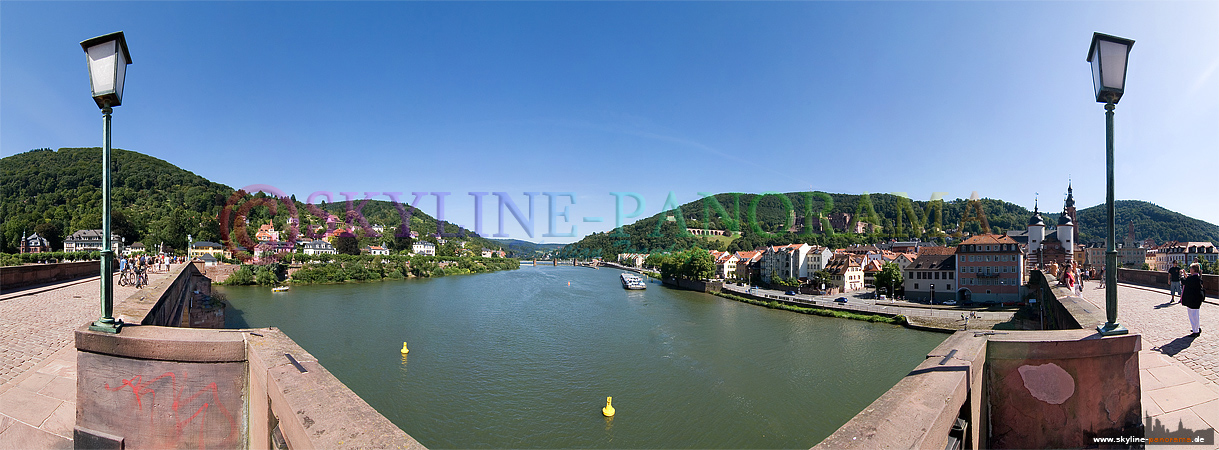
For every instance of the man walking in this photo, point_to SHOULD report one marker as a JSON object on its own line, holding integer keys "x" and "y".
{"x": 1191, "y": 298}
{"x": 1174, "y": 282}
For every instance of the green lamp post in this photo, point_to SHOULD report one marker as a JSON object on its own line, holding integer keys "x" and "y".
{"x": 1109, "y": 55}
{"x": 108, "y": 58}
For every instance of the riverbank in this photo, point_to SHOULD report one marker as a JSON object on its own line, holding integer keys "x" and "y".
{"x": 772, "y": 304}
{"x": 366, "y": 268}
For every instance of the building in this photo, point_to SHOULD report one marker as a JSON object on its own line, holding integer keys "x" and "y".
{"x": 785, "y": 261}
{"x": 725, "y": 265}
{"x": 266, "y": 233}
{"x": 632, "y": 259}
{"x": 990, "y": 268}
{"x": 1056, "y": 247}
{"x": 871, "y": 267}
{"x": 749, "y": 265}
{"x": 319, "y": 247}
{"x": 135, "y": 248}
{"x": 931, "y": 273}
{"x": 846, "y": 272}
{"x": 376, "y": 250}
{"x": 34, "y": 244}
{"x": 423, "y": 248}
{"x": 817, "y": 258}
{"x": 91, "y": 240}
{"x": 1183, "y": 253}
{"x": 201, "y": 248}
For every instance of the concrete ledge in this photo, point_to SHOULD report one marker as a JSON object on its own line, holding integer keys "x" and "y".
{"x": 1059, "y": 344}
{"x": 164, "y": 344}
{"x": 313, "y": 408}
{"x": 919, "y": 411}
{"x": 14, "y": 277}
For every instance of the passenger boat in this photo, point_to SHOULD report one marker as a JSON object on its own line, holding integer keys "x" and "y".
{"x": 279, "y": 289}
{"x": 632, "y": 281}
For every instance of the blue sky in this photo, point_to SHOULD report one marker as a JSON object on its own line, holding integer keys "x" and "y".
{"x": 644, "y": 97}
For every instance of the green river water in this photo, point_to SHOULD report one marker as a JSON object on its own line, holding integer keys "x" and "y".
{"x": 522, "y": 358}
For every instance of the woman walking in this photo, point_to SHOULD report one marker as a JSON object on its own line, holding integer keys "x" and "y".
{"x": 1191, "y": 297}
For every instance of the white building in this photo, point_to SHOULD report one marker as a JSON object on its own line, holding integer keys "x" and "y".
{"x": 817, "y": 258}
{"x": 319, "y": 247}
{"x": 423, "y": 248}
{"x": 785, "y": 261}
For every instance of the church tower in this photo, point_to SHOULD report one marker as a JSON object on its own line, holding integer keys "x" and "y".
{"x": 1066, "y": 233}
{"x": 1036, "y": 235}
{"x": 1069, "y": 210}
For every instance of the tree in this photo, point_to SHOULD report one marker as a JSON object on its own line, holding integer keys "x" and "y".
{"x": 50, "y": 232}
{"x": 346, "y": 244}
{"x": 698, "y": 264}
{"x": 821, "y": 277}
{"x": 889, "y": 277}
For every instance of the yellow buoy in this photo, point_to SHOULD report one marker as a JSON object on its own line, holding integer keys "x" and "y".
{"x": 404, "y": 350}
{"x": 608, "y": 410}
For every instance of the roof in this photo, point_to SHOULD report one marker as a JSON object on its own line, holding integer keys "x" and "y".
{"x": 89, "y": 235}
{"x": 207, "y": 257}
{"x": 842, "y": 262}
{"x": 934, "y": 262}
{"x": 935, "y": 251}
{"x": 206, "y": 244}
{"x": 989, "y": 239}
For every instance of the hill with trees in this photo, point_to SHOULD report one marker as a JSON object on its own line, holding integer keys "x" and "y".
{"x": 56, "y": 193}
{"x": 779, "y": 219}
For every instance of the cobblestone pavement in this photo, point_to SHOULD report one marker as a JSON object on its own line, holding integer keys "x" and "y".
{"x": 39, "y": 324}
{"x": 1164, "y": 327}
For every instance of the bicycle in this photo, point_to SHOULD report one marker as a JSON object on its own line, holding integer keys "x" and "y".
{"x": 126, "y": 278}
{"x": 141, "y": 278}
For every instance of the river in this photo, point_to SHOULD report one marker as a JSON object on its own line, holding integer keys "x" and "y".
{"x": 526, "y": 358}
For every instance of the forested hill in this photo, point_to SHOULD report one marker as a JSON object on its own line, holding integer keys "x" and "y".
{"x": 765, "y": 220}
{"x": 58, "y": 192}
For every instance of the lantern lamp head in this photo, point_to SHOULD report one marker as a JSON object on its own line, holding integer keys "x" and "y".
{"x": 108, "y": 58}
{"x": 1108, "y": 55}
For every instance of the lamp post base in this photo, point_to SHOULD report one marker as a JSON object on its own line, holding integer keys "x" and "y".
{"x": 105, "y": 325}
{"x": 1111, "y": 329}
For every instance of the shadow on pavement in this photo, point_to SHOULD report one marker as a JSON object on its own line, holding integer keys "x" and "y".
{"x": 1174, "y": 347}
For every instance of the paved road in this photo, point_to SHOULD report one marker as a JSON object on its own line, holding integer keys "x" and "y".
{"x": 39, "y": 324}
{"x": 1165, "y": 327}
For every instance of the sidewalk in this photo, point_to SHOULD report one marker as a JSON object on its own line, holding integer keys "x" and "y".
{"x": 38, "y": 360}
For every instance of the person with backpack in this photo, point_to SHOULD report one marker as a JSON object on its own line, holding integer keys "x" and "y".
{"x": 1191, "y": 297}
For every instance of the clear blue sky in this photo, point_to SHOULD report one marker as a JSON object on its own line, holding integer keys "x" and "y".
{"x": 644, "y": 97}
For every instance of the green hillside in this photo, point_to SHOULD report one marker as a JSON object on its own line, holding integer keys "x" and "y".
{"x": 58, "y": 192}
{"x": 764, "y": 220}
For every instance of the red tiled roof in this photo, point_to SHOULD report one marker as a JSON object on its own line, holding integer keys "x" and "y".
{"x": 989, "y": 239}
{"x": 938, "y": 250}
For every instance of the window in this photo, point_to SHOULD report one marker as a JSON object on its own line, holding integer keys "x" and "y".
{"x": 916, "y": 286}
{"x": 950, "y": 275}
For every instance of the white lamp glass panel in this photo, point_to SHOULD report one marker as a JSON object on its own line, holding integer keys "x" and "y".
{"x": 102, "y": 59}
{"x": 121, "y": 71}
{"x": 1113, "y": 57}
{"x": 1096, "y": 82}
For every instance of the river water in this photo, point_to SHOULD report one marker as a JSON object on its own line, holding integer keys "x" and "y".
{"x": 526, "y": 358}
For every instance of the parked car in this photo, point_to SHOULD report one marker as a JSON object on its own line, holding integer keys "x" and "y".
{"x": 951, "y": 303}
{"x": 841, "y": 300}
{"x": 790, "y": 293}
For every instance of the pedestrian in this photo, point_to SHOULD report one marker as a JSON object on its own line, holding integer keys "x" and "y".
{"x": 1191, "y": 298}
{"x": 1102, "y": 278}
{"x": 1174, "y": 282}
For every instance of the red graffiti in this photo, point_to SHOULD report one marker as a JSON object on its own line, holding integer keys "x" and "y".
{"x": 180, "y": 406}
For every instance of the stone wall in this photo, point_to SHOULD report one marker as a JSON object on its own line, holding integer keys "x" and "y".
{"x": 1155, "y": 279}
{"x": 1059, "y": 389}
{"x": 695, "y": 285}
{"x": 13, "y": 277}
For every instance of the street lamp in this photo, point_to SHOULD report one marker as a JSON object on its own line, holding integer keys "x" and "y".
{"x": 108, "y": 59}
{"x": 1109, "y": 55}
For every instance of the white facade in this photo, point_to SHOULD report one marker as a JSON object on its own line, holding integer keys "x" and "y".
{"x": 423, "y": 248}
